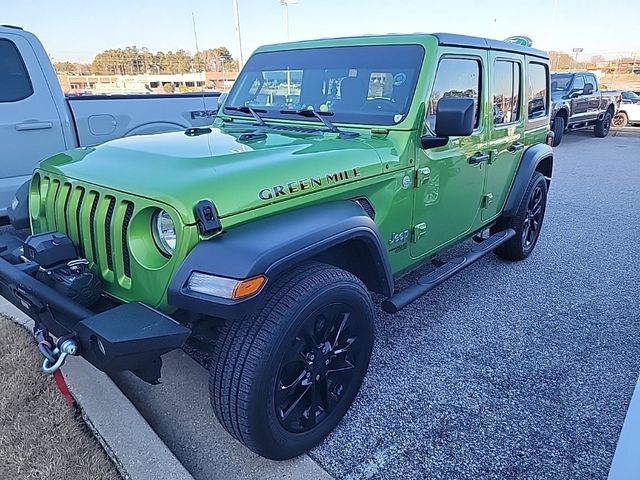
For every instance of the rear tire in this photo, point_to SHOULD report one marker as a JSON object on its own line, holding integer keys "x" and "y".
{"x": 282, "y": 380}
{"x": 620, "y": 120}
{"x": 558, "y": 130}
{"x": 602, "y": 127}
{"x": 527, "y": 221}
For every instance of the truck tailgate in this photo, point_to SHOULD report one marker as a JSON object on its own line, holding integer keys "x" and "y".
{"x": 99, "y": 118}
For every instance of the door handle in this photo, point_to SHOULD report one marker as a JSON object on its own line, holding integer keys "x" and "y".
{"x": 33, "y": 126}
{"x": 516, "y": 147}
{"x": 479, "y": 158}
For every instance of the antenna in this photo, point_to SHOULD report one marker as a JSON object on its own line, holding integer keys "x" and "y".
{"x": 195, "y": 38}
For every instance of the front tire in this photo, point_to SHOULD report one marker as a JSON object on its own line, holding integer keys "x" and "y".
{"x": 558, "y": 130}
{"x": 527, "y": 222}
{"x": 281, "y": 381}
{"x": 602, "y": 127}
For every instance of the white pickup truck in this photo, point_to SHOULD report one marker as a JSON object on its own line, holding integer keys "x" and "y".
{"x": 37, "y": 121}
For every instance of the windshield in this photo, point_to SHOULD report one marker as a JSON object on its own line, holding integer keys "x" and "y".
{"x": 560, "y": 82}
{"x": 370, "y": 85}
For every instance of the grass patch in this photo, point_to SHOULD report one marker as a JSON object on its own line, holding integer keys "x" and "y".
{"x": 40, "y": 436}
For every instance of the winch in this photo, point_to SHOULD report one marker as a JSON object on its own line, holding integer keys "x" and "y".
{"x": 60, "y": 267}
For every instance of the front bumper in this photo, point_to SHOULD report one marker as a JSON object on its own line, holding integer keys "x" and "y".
{"x": 130, "y": 336}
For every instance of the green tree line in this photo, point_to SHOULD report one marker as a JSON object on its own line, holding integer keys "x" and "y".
{"x": 135, "y": 60}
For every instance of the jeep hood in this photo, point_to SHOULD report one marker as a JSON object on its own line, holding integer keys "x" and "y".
{"x": 238, "y": 169}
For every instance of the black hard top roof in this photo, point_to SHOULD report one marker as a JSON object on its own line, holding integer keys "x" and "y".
{"x": 455, "y": 40}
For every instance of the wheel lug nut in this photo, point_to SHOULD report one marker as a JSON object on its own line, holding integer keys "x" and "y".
{"x": 327, "y": 361}
{"x": 318, "y": 377}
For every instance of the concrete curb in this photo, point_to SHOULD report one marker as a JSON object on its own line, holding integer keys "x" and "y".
{"x": 137, "y": 451}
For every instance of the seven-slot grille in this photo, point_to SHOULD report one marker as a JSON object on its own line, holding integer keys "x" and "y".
{"x": 97, "y": 223}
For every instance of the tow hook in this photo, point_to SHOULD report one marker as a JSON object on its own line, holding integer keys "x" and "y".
{"x": 54, "y": 359}
{"x": 62, "y": 351}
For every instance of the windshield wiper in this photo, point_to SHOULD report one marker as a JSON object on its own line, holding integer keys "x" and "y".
{"x": 252, "y": 111}
{"x": 304, "y": 112}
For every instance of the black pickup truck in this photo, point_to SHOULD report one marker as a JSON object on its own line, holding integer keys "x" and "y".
{"x": 578, "y": 102}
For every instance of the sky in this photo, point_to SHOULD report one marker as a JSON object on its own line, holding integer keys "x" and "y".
{"x": 76, "y": 30}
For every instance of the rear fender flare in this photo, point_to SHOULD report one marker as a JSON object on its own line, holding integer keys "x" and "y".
{"x": 536, "y": 158}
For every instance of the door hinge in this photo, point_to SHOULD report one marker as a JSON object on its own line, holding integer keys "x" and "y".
{"x": 493, "y": 156}
{"x": 419, "y": 231}
{"x": 422, "y": 176}
{"x": 487, "y": 199}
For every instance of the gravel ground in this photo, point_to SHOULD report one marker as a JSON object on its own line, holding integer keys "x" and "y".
{"x": 514, "y": 370}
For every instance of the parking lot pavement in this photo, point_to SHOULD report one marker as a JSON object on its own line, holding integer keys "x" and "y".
{"x": 518, "y": 370}
{"x": 514, "y": 370}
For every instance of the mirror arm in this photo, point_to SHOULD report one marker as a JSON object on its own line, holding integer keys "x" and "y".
{"x": 428, "y": 141}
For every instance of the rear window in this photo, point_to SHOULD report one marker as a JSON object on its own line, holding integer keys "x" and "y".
{"x": 14, "y": 79}
{"x": 506, "y": 92}
{"x": 537, "y": 90}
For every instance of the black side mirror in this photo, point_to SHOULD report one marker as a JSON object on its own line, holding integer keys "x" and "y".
{"x": 588, "y": 89}
{"x": 455, "y": 117}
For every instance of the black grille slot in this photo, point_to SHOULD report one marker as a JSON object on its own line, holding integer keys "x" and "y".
{"x": 126, "y": 260}
{"x": 107, "y": 232}
{"x": 92, "y": 227}
{"x": 66, "y": 207}
{"x": 79, "y": 230}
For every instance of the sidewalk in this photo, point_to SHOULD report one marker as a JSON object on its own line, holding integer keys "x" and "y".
{"x": 180, "y": 412}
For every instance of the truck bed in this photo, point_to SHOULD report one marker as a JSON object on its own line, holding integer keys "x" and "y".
{"x": 100, "y": 118}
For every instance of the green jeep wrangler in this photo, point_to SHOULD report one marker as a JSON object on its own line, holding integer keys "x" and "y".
{"x": 333, "y": 168}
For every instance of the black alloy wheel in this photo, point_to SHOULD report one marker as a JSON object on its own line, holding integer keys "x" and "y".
{"x": 527, "y": 221}
{"x": 533, "y": 218}
{"x": 319, "y": 367}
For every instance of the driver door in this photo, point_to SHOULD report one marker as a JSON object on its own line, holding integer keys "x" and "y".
{"x": 450, "y": 179}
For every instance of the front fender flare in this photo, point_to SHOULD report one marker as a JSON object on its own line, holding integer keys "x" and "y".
{"x": 274, "y": 244}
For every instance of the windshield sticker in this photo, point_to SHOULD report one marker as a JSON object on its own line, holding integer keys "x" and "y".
{"x": 308, "y": 183}
{"x": 399, "y": 79}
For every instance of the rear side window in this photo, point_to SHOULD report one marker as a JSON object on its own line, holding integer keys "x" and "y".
{"x": 537, "y": 88}
{"x": 506, "y": 92}
{"x": 14, "y": 79}
{"x": 456, "y": 77}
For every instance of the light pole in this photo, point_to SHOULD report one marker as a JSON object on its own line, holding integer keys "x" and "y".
{"x": 285, "y": 4}
{"x": 576, "y": 51}
{"x": 238, "y": 36}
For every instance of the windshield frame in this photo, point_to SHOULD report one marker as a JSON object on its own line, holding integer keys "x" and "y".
{"x": 346, "y": 118}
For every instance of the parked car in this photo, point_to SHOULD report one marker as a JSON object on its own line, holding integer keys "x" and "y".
{"x": 629, "y": 111}
{"x": 36, "y": 120}
{"x": 261, "y": 237}
{"x": 628, "y": 96}
{"x": 578, "y": 102}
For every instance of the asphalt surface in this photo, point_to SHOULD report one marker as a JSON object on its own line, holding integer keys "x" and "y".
{"x": 514, "y": 370}
{"x": 508, "y": 370}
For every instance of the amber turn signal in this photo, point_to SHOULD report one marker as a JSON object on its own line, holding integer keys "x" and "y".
{"x": 248, "y": 287}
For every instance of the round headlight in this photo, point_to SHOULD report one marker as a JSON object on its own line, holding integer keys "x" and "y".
{"x": 164, "y": 232}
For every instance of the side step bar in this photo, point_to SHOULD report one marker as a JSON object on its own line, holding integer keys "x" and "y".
{"x": 434, "y": 278}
